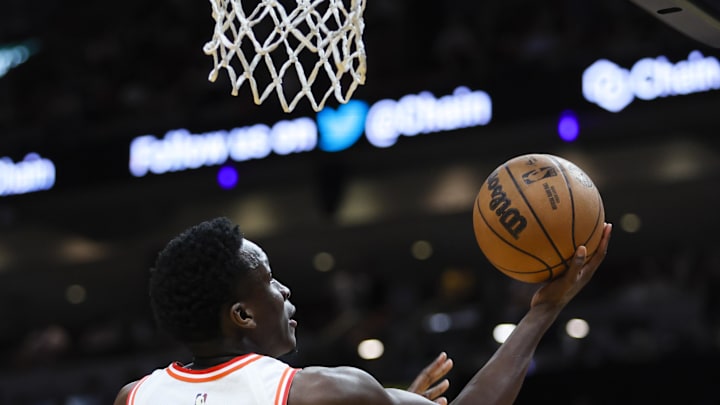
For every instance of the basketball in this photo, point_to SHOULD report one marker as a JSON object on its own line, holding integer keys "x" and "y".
{"x": 532, "y": 213}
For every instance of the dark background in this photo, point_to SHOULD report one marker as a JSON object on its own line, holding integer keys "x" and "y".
{"x": 105, "y": 73}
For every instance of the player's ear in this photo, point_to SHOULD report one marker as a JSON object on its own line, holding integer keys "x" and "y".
{"x": 241, "y": 315}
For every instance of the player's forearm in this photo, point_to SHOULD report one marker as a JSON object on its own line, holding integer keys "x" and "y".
{"x": 499, "y": 381}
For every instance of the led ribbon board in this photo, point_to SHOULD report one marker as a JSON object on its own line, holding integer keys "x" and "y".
{"x": 33, "y": 173}
{"x": 614, "y": 88}
{"x": 335, "y": 130}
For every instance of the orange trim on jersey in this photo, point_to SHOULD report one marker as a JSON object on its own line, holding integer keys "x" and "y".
{"x": 176, "y": 365}
{"x": 211, "y": 374}
{"x": 283, "y": 389}
{"x": 131, "y": 396}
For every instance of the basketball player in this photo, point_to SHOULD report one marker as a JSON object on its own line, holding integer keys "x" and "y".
{"x": 215, "y": 292}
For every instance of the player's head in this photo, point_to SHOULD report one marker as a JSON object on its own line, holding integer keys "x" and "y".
{"x": 209, "y": 283}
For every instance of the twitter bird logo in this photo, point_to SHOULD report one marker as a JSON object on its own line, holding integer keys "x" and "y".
{"x": 340, "y": 129}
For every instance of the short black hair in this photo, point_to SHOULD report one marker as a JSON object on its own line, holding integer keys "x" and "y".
{"x": 194, "y": 276}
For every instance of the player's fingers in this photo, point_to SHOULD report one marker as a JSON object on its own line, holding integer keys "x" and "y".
{"x": 594, "y": 262}
{"x": 437, "y": 390}
{"x": 438, "y": 368}
{"x": 431, "y": 373}
{"x": 441, "y": 401}
{"x": 603, "y": 246}
{"x": 421, "y": 382}
{"x": 576, "y": 266}
{"x": 442, "y": 369}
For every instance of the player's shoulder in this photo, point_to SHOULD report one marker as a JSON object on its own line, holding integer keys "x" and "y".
{"x": 325, "y": 385}
{"x": 122, "y": 396}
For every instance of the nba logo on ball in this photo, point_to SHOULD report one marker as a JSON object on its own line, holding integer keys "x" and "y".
{"x": 533, "y": 212}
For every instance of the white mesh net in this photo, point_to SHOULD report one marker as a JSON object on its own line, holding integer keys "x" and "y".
{"x": 267, "y": 47}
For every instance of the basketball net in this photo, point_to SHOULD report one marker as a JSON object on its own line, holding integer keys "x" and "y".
{"x": 325, "y": 29}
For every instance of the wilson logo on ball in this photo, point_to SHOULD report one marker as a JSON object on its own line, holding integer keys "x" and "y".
{"x": 510, "y": 218}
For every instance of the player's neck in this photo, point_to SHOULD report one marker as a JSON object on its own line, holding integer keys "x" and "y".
{"x": 201, "y": 363}
{"x": 213, "y": 353}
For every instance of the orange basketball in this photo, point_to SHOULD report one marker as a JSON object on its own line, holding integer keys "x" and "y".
{"x": 533, "y": 212}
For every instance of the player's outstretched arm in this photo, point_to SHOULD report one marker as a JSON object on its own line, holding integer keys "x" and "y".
{"x": 499, "y": 381}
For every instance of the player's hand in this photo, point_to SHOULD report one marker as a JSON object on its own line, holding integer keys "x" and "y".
{"x": 431, "y": 374}
{"x": 560, "y": 291}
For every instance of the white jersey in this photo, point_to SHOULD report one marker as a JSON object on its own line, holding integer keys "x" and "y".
{"x": 251, "y": 379}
